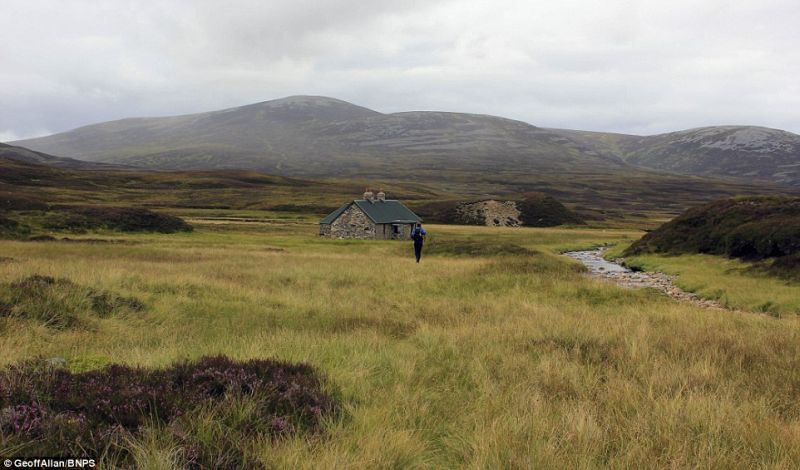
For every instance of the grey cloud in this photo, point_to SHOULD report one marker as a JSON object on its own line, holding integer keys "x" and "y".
{"x": 627, "y": 66}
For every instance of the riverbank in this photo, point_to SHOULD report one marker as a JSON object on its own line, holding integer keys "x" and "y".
{"x": 623, "y": 276}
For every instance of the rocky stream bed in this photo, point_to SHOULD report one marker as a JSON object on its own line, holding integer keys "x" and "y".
{"x": 625, "y": 277}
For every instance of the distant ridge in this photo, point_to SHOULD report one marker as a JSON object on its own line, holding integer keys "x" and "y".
{"x": 320, "y": 136}
{"x": 23, "y": 155}
{"x": 742, "y": 152}
{"x": 317, "y": 136}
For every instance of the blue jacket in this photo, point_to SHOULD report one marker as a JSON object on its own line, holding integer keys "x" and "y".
{"x": 418, "y": 234}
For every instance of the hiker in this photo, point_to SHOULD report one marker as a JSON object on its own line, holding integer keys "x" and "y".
{"x": 418, "y": 235}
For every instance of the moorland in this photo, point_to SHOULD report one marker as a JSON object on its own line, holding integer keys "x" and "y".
{"x": 495, "y": 351}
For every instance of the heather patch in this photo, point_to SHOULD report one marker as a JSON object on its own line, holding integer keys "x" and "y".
{"x": 199, "y": 405}
{"x": 124, "y": 219}
{"x": 538, "y": 210}
{"x": 752, "y": 228}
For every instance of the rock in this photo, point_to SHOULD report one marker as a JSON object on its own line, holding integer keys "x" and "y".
{"x": 55, "y": 362}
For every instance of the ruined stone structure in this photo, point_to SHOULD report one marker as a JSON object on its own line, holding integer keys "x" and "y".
{"x": 373, "y": 217}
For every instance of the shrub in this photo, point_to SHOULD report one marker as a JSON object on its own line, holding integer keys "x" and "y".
{"x": 51, "y": 411}
{"x": 125, "y": 219}
{"x": 59, "y": 303}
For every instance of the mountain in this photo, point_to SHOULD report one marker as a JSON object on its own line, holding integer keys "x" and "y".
{"x": 742, "y": 152}
{"x": 20, "y": 154}
{"x": 318, "y": 136}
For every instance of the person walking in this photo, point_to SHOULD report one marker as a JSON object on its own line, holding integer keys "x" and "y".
{"x": 418, "y": 235}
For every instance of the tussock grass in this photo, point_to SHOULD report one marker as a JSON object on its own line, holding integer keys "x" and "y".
{"x": 461, "y": 361}
{"x": 60, "y": 303}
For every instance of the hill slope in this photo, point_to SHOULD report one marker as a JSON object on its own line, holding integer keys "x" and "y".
{"x": 755, "y": 228}
{"x": 23, "y": 155}
{"x": 317, "y": 136}
{"x": 31, "y": 186}
{"x": 743, "y": 152}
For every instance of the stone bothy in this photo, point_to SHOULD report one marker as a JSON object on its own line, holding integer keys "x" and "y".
{"x": 373, "y": 217}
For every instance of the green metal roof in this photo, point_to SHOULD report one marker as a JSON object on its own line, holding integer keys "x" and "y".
{"x": 333, "y": 215}
{"x": 389, "y": 211}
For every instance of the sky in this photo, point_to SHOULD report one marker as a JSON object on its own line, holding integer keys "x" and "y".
{"x": 639, "y": 67}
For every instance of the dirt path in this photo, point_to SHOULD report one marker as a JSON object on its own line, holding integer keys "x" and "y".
{"x": 624, "y": 277}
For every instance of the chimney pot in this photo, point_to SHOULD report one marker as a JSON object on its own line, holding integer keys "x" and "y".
{"x": 381, "y": 195}
{"x": 368, "y": 195}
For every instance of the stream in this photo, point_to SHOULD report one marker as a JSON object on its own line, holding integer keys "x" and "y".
{"x": 614, "y": 271}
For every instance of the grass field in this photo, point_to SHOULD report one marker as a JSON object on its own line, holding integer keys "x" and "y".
{"x": 494, "y": 352}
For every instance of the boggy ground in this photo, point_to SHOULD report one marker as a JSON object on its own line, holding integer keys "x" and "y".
{"x": 493, "y": 352}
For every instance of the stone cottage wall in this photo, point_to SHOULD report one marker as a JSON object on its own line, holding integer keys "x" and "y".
{"x": 386, "y": 232}
{"x": 405, "y": 232}
{"x": 352, "y": 223}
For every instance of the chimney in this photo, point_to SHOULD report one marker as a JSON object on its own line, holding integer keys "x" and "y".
{"x": 368, "y": 195}
{"x": 381, "y": 195}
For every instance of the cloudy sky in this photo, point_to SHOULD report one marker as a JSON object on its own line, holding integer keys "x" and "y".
{"x": 615, "y": 65}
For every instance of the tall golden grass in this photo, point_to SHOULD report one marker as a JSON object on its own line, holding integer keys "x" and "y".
{"x": 460, "y": 361}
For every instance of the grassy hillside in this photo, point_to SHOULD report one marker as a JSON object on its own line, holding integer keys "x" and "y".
{"x": 492, "y": 353}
